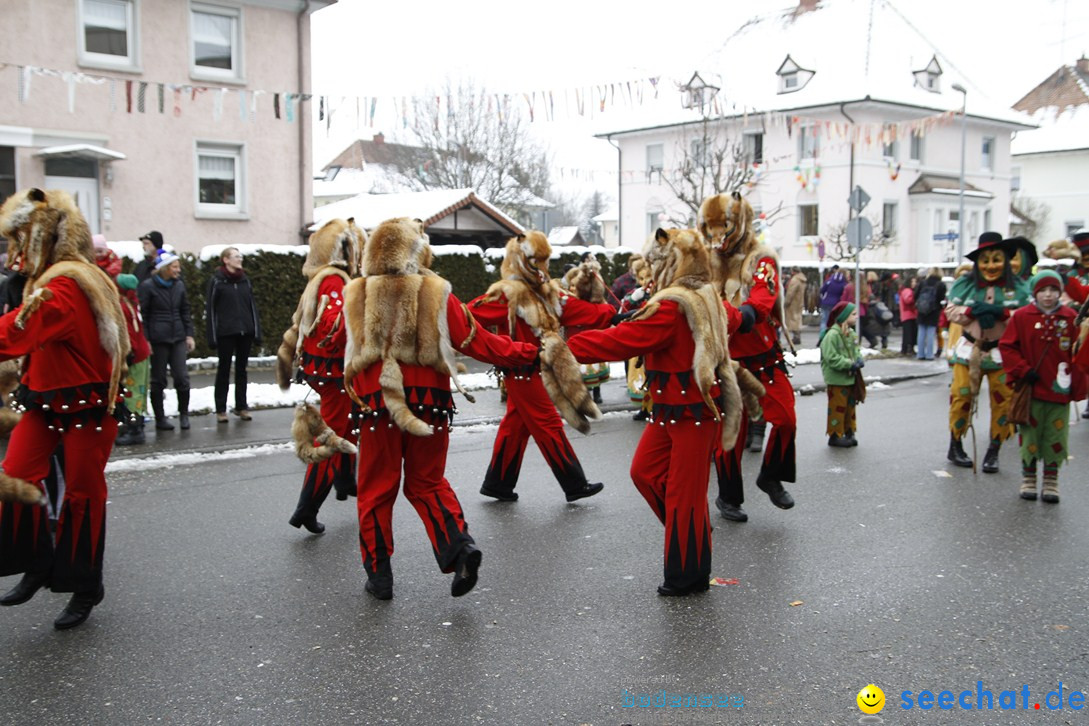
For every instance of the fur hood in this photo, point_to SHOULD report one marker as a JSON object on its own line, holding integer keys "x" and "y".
{"x": 339, "y": 243}
{"x": 397, "y": 247}
{"x": 677, "y": 255}
{"x": 526, "y": 259}
{"x": 44, "y": 227}
{"x": 584, "y": 281}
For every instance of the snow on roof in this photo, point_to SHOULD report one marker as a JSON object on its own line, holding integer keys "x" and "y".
{"x": 1059, "y": 131}
{"x": 857, "y": 50}
{"x": 346, "y": 183}
{"x": 370, "y": 210}
{"x": 563, "y": 235}
{"x": 609, "y": 215}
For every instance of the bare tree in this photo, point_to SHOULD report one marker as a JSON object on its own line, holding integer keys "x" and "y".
{"x": 1033, "y": 216}
{"x": 836, "y": 247}
{"x": 709, "y": 162}
{"x": 466, "y": 137}
{"x": 597, "y": 203}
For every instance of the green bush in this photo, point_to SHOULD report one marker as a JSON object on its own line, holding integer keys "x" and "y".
{"x": 467, "y": 274}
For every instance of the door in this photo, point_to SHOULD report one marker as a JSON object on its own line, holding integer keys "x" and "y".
{"x": 85, "y": 191}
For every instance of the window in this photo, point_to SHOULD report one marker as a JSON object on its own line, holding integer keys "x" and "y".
{"x": 987, "y": 219}
{"x": 221, "y": 189}
{"x": 916, "y": 147}
{"x": 987, "y": 156}
{"x": 790, "y": 81}
{"x": 1015, "y": 179}
{"x": 216, "y": 41}
{"x": 7, "y": 171}
{"x": 807, "y": 220}
{"x": 107, "y": 30}
{"x": 890, "y": 150}
{"x": 888, "y": 219}
{"x": 932, "y": 82}
{"x": 655, "y": 156}
{"x": 653, "y": 223}
{"x": 753, "y": 146}
{"x": 1074, "y": 227}
{"x": 699, "y": 154}
{"x": 808, "y": 143}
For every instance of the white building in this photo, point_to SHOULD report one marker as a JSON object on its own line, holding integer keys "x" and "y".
{"x": 817, "y": 116}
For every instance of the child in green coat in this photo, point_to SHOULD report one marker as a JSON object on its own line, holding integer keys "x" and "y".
{"x": 840, "y": 360}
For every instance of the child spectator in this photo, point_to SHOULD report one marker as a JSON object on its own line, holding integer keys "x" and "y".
{"x": 1037, "y": 351}
{"x": 840, "y": 360}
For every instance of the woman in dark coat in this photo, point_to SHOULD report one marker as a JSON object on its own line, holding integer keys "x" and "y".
{"x": 233, "y": 328}
{"x": 169, "y": 328}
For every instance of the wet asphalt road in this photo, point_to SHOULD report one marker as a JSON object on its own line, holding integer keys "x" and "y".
{"x": 217, "y": 611}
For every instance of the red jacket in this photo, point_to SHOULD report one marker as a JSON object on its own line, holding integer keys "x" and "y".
{"x": 576, "y": 313}
{"x": 762, "y": 297}
{"x": 321, "y": 358}
{"x": 665, "y": 340}
{"x": 424, "y": 386}
{"x": 130, "y": 306}
{"x": 1076, "y": 290}
{"x": 1034, "y": 339}
{"x": 66, "y": 366}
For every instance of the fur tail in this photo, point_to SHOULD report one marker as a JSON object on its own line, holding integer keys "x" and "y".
{"x": 17, "y": 490}
{"x": 393, "y": 393}
{"x": 563, "y": 380}
{"x": 731, "y": 405}
{"x": 285, "y": 357}
{"x": 8, "y": 419}
{"x": 309, "y": 427}
{"x": 752, "y": 390}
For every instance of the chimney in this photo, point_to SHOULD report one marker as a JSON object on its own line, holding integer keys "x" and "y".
{"x": 1083, "y": 65}
{"x": 379, "y": 138}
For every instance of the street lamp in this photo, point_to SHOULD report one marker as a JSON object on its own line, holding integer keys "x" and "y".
{"x": 963, "y": 146}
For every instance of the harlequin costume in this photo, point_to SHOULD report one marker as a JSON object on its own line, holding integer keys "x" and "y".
{"x": 404, "y": 325}
{"x": 313, "y": 351}
{"x": 528, "y": 307}
{"x": 681, "y": 333}
{"x": 981, "y": 301}
{"x": 747, "y": 275}
{"x": 1038, "y": 350}
{"x": 72, "y": 333}
{"x": 840, "y": 360}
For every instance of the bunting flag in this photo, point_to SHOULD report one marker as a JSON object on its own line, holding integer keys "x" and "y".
{"x": 141, "y": 97}
{"x": 162, "y": 100}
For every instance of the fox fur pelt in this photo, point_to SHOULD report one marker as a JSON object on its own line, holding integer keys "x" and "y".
{"x": 308, "y": 428}
{"x": 585, "y": 283}
{"x": 398, "y": 314}
{"x": 17, "y": 490}
{"x": 9, "y": 381}
{"x": 1062, "y": 249}
{"x": 533, "y": 297}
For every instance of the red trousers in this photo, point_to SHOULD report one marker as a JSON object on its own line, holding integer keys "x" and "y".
{"x": 530, "y": 412}
{"x": 338, "y": 470}
{"x": 383, "y": 451}
{"x": 779, "y": 459}
{"x": 73, "y": 559}
{"x": 671, "y": 466}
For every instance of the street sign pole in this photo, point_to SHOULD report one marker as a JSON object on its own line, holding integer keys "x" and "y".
{"x": 855, "y": 228}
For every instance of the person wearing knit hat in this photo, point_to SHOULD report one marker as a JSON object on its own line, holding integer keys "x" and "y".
{"x": 136, "y": 378}
{"x": 169, "y": 328}
{"x": 981, "y": 301}
{"x": 153, "y": 242}
{"x": 1038, "y": 351}
{"x": 841, "y": 363}
{"x": 1081, "y": 241}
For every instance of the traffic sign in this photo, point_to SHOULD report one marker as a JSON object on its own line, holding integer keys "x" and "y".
{"x": 859, "y": 233}
{"x": 858, "y": 199}
{"x": 943, "y": 237}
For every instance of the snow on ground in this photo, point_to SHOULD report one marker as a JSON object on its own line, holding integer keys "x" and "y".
{"x": 168, "y": 461}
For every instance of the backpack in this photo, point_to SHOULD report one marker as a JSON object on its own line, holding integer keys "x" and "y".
{"x": 927, "y": 302}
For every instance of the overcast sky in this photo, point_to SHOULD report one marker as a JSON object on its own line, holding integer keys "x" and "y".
{"x": 363, "y": 48}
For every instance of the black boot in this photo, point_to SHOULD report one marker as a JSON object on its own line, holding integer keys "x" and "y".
{"x": 956, "y": 454}
{"x": 597, "y": 394}
{"x": 79, "y": 608}
{"x": 584, "y": 490}
{"x": 161, "y": 422}
{"x": 183, "y": 408}
{"x": 465, "y": 572}
{"x": 851, "y": 440}
{"x": 757, "y": 429}
{"x": 132, "y": 433}
{"x": 732, "y": 512}
{"x": 839, "y": 441}
{"x": 25, "y": 589}
{"x": 779, "y": 496}
{"x": 310, "y": 521}
{"x": 990, "y": 460}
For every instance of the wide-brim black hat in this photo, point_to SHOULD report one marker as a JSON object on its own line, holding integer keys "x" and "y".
{"x": 1021, "y": 243}
{"x": 988, "y": 241}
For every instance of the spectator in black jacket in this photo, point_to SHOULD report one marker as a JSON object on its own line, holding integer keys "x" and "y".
{"x": 153, "y": 242}
{"x": 233, "y": 328}
{"x": 169, "y": 328}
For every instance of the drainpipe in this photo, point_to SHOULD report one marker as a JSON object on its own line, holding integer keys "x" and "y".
{"x": 858, "y": 252}
{"x": 306, "y": 183}
{"x": 619, "y": 182}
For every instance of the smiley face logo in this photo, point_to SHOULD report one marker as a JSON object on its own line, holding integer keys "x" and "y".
{"x": 871, "y": 699}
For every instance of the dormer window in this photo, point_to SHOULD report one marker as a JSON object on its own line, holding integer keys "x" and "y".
{"x": 792, "y": 77}
{"x": 930, "y": 78}
{"x": 697, "y": 92}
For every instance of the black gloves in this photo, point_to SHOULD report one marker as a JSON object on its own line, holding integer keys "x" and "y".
{"x": 748, "y": 318}
{"x": 1030, "y": 378}
{"x": 621, "y": 317}
{"x": 858, "y": 365}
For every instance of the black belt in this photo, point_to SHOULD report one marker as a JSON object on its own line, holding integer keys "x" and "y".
{"x": 985, "y": 345}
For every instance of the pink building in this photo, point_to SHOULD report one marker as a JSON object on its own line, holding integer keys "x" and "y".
{"x": 182, "y": 116}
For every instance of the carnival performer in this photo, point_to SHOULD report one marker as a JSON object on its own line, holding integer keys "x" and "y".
{"x": 981, "y": 301}
{"x": 584, "y": 282}
{"x": 1038, "y": 351}
{"x": 404, "y": 326}
{"x": 746, "y": 273}
{"x": 635, "y": 299}
{"x": 313, "y": 351}
{"x": 528, "y": 307}
{"x": 841, "y": 360}
{"x": 682, "y": 334}
{"x": 73, "y": 335}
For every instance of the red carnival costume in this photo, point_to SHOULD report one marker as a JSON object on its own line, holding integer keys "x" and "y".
{"x": 404, "y": 325}
{"x": 681, "y": 333}
{"x": 525, "y": 305}
{"x": 73, "y": 336}
{"x": 747, "y": 275}
{"x": 313, "y": 348}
